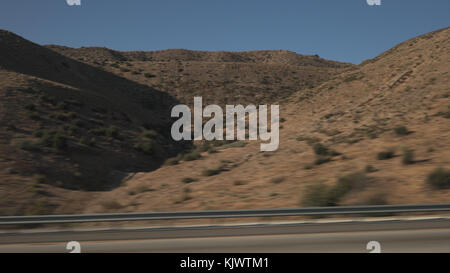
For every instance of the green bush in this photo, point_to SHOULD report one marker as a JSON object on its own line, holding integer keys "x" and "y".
{"x": 30, "y": 106}
{"x": 319, "y": 195}
{"x": 32, "y": 115}
{"x": 344, "y": 185}
{"x": 151, "y": 134}
{"x": 172, "y": 161}
{"x": 29, "y": 146}
{"x": 87, "y": 141}
{"x": 98, "y": 131}
{"x": 146, "y": 148}
{"x": 111, "y": 205}
{"x": 191, "y": 156}
{"x": 54, "y": 140}
{"x": 211, "y": 172}
{"x": 401, "y": 131}
{"x": 112, "y": 131}
{"x": 320, "y": 149}
{"x": 408, "y": 157}
{"x": 188, "y": 180}
{"x": 277, "y": 180}
{"x": 370, "y": 169}
{"x": 38, "y": 133}
{"x": 386, "y": 155}
{"x": 322, "y": 160}
{"x": 439, "y": 178}
{"x": 39, "y": 179}
{"x": 315, "y": 196}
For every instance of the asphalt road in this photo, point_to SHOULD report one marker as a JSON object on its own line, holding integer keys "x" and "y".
{"x": 426, "y": 235}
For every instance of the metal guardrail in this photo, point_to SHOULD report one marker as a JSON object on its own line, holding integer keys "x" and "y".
{"x": 112, "y": 217}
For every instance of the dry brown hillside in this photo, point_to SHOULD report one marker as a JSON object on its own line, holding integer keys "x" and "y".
{"x": 77, "y": 121}
{"x": 66, "y": 126}
{"x": 85, "y": 130}
{"x": 368, "y": 136}
{"x": 219, "y": 77}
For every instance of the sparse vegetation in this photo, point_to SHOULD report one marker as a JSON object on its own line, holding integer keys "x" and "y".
{"x": 322, "y": 160}
{"x": 111, "y": 205}
{"x": 212, "y": 172}
{"x": 408, "y": 156}
{"x": 385, "y": 155}
{"x": 277, "y": 180}
{"x": 320, "y": 195}
{"x": 439, "y": 178}
{"x": 188, "y": 180}
{"x": 401, "y": 131}
{"x": 112, "y": 131}
{"x": 30, "y": 107}
{"x": 146, "y": 147}
{"x": 370, "y": 169}
{"x": 192, "y": 156}
{"x": 320, "y": 149}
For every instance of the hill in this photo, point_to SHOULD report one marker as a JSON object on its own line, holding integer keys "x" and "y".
{"x": 371, "y": 135}
{"x": 77, "y": 122}
{"x": 219, "y": 77}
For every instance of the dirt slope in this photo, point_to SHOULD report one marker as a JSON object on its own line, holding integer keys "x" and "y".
{"x": 77, "y": 121}
{"x": 357, "y": 116}
{"x": 219, "y": 77}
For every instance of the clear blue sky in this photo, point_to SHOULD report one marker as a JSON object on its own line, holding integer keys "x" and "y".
{"x": 344, "y": 30}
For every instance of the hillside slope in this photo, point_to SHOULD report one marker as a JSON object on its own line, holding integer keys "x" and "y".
{"x": 68, "y": 126}
{"x": 77, "y": 121}
{"x": 382, "y": 129}
{"x": 219, "y": 77}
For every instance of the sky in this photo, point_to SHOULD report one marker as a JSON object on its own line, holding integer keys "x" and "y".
{"x": 342, "y": 30}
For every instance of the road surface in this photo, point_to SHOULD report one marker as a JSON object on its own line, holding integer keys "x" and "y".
{"x": 420, "y": 235}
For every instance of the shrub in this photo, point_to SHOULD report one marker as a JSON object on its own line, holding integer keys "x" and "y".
{"x": 98, "y": 131}
{"x": 408, "y": 157}
{"x": 172, "y": 161}
{"x": 320, "y": 149}
{"x": 29, "y": 146}
{"x": 319, "y": 195}
{"x": 315, "y": 196}
{"x": 322, "y": 160}
{"x": 148, "y": 75}
{"x": 32, "y": 116}
{"x": 192, "y": 156}
{"x": 370, "y": 169}
{"x": 211, "y": 172}
{"x": 344, "y": 185}
{"x": 146, "y": 148}
{"x": 38, "y": 133}
{"x": 39, "y": 179}
{"x": 212, "y": 151}
{"x": 385, "y": 155}
{"x": 62, "y": 105}
{"x": 239, "y": 183}
{"x": 87, "y": 141}
{"x": 277, "y": 180}
{"x": 59, "y": 142}
{"x": 54, "y": 140}
{"x": 112, "y": 131}
{"x": 30, "y": 106}
{"x": 401, "y": 131}
{"x": 139, "y": 189}
{"x": 112, "y": 204}
{"x": 151, "y": 134}
{"x": 188, "y": 180}
{"x": 61, "y": 117}
{"x": 439, "y": 178}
